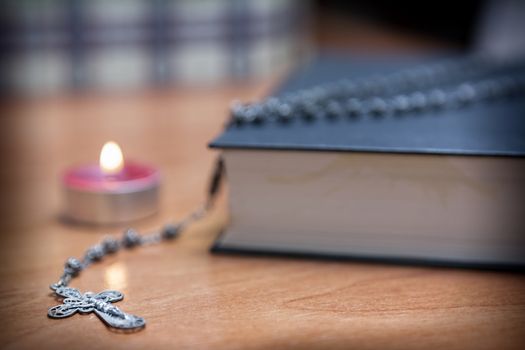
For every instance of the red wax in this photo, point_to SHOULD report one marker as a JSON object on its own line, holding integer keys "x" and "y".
{"x": 132, "y": 177}
{"x": 91, "y": 196}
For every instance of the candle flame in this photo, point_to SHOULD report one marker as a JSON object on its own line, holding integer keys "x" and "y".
{"x": 111, "y": 159}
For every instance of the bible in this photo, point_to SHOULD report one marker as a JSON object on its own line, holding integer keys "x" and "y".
{"x": 403, "y": 179}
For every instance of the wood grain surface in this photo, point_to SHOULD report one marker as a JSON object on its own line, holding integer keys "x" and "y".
{"x": 190, "y": 298}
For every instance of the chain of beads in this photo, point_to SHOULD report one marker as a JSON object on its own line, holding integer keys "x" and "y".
{"x": 437, "y": 86}
{"x": 132, "y": 239}
{"x": 110, "y": 245}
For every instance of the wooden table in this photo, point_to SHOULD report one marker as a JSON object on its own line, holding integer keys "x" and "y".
{"x": 191, "y": 298}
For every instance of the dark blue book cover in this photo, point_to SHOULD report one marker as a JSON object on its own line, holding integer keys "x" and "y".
{"x": 495, "y": 128}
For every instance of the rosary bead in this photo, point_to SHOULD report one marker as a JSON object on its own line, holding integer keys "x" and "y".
{"x": 270, "y": 107}
{"x": 354, "y": 107}
{"x": 437, "y": 98}
{"x": 236, "y": 120}
{"x": 271, "y": 102}
{"x": 284, "y": 112}
{"x": 400, "y": 104}
{"x": 111, "y": 245}
{"x": 171, "y": 231}
{"x": 131, "y": 238}
{"x": 466, "y": 93}
{"x": 62, "y": 282}
{"x": 377, "y": 107}
{"x": 334, "y": 109}
{"x": 258, "y": 119}
{"x": 73, "y": 266}
{"x": 65, "y": 279}
{"x": 95, "y": 253}
{"x": 418, "y": 101}
{"x": 310, "y": 111}
{"x": 255, "y": 114}
{"x": 237, "y": 112}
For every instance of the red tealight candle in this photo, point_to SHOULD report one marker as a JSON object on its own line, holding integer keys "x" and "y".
{"x": 113, "y": 191}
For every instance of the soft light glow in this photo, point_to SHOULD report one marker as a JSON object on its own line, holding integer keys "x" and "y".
{"x": 116, "y": 276}
{"x": 111, "y": 160}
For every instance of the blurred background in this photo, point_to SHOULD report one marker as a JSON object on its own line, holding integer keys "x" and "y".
{"x": 112, "y": 45}
{"x": 56, "y": 46}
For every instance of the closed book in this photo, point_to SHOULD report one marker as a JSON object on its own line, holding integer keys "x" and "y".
{"x": 439, "y": 186}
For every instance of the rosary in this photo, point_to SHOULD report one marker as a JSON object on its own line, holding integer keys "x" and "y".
{"x": 441, "y": 85}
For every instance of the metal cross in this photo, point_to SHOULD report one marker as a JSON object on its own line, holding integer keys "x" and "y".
{"x": 74, "y": 302}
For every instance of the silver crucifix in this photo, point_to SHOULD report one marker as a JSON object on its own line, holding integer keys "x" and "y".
{"x": 74, "y": 301}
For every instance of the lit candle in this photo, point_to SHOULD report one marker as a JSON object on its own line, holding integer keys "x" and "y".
{"x": 113, "y": 191}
